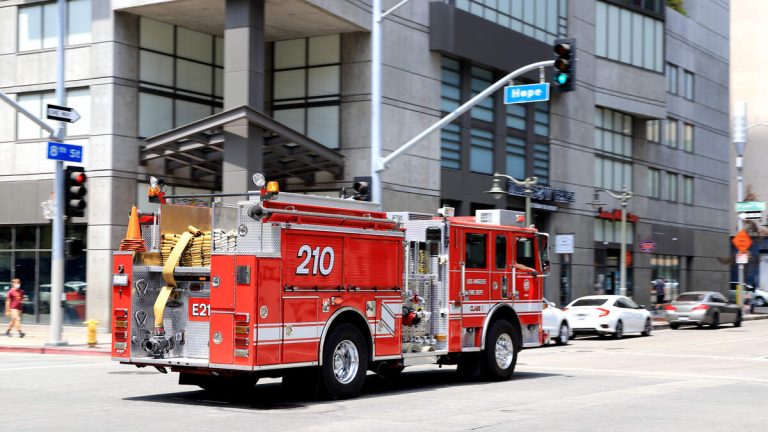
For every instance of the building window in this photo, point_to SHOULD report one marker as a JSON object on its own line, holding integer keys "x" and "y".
{"x": 612, "y": 174}
{"x": 671, "y": 133}
{"x": 450, "y": 146}
{"x": 688, "y": 137}
{"x": 688, "y": 84}
{"x": 525, "y": 145}
{"x": 306, "y": 87}
{"x": 543, "y": 20}
{"x": 613, "y": 132}
{"x": 180, "y": 76}
{"x": 687, "y": 190}
{"x": 38, "y": 25}
{"x": 653, "y": 130}
{"x": 609, "y": 231}
{"x": 667, "y": 268}
{"x": 629, "y": 37}
{"x": 669, "y": 186}
{"x": 481, "y": 151}
{"x": 672, "y": 78}
{"x": 654, "y": 183}
{"x": 79, "y": 99}
{"x": 25, "y": 253}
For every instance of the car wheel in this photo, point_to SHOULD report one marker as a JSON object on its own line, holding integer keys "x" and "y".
{"x": 345, "y": 362}
{"x": 619, "y": 330}
{"x": 562, "y": 338}
{"x": 759, "y": 302}
{"x": 715, "y": 321}
{"x": 647, "y": 328}
{"x": 500, "y": 351}
{"x": 674, "y": 326}
{"x": 737, "y": 323}
{"x": 699, "y": 325}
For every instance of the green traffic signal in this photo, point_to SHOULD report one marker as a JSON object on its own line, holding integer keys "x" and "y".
{"x": 561, "y": 78}
{"x": 564, "y": 76}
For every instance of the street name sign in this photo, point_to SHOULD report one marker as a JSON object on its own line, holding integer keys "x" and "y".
{"x": 751, "y": 215}
{"x": 742, "y": 241}
{"x": 65, "y": 152}
{"x": 750, "y": 206}
{"x": 61, "y": 113}
{"x": 526, "y": 93}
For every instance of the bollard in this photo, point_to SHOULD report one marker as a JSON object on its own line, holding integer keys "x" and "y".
{"x": 91, "y": 323}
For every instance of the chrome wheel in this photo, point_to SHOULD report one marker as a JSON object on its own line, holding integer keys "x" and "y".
{"x": 346, "y": 361}
{"x": 504, "y": 351}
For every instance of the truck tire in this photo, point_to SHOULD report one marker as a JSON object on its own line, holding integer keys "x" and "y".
{"x": 345, "y": 362}
{"x": 500, "y": 354}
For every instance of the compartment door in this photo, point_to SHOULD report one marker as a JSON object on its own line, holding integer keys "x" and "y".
{"x": 222, "y": 337}
{"x": 222, "y": 282}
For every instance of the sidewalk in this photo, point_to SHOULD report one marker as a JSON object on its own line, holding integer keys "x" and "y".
{"x": 36, "y": 336}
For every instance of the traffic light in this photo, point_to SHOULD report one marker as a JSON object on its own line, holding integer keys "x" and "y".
{"x": 565, "y": 64}
{"x": 74, "y": 191}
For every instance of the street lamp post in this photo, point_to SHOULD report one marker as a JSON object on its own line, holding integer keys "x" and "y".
{"x": 498, "y": 192}
{"x": 624, "y": 197}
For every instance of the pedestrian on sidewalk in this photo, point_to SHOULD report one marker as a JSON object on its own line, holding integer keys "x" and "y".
{"x": 658, "y": 286}
{"x": 13, "y": 305}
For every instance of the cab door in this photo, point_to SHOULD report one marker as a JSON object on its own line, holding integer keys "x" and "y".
{"x": 526, "y": 282}
{"x": 501, "y": 270}
{"x": 477, "y": 262}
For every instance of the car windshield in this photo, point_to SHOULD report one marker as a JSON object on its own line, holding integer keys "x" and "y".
{"x": 589, "y": 302}
{"x": 690, "y": 297}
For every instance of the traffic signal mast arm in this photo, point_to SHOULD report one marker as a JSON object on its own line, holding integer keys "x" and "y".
{"x": 384, "y": 162}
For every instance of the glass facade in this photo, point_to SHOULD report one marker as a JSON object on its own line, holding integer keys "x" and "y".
{"x": 654, "y": 183}
{"x": 688, "y": 137}
{"x": 613, "y": 142}
{"x": 25, "y": 253}
{"x": 629, "y": 37}
{"x": 689, "y": 82}
{"x": 78, "y": 98}
{"x": 668, "y": 268}
{"x": 180, "y": 76}
{"x": 38, "y": 25}
{"x": 669, "y": 186}
{"x": 687, "y": 190}
{"x": 522, "y": 150}
{"x": 306, "y": 87}
{"x": 544, "y": 20}
{"x": 670, "y": 136}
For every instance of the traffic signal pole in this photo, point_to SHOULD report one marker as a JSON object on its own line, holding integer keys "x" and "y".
{"x": 57, "y": 261}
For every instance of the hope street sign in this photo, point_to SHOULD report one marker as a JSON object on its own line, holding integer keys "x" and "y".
{"x": 526, "y": 93}
{"x": 65, "y": 152}
{"x": 61, "y": 113}
{"x": 750, "y": 206}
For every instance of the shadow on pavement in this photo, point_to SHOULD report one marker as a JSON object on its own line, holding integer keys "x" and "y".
{"x": 274, "y": 396}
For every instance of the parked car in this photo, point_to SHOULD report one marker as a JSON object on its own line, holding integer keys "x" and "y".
{"x": 759, "y": 297}
{"x": 608, "y": 314}
{"x": 700, "y": 308}
{"x": 556, "y": 323}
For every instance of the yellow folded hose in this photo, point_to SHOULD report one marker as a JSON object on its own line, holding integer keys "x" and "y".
{"x": 168, "y": 268}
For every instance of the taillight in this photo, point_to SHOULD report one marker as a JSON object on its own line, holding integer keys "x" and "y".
{"x": 565, "y": 309}
{"x": 670, "y": 308}
{"x": 603, "y": 312}
{"x": 701, "y": 307}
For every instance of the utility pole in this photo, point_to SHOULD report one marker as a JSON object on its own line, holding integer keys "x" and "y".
{"x": 623, "y": 197}
{"x": 57, "y": 262}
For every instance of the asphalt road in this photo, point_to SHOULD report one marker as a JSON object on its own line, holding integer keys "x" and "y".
{"x": 688, "y": 379}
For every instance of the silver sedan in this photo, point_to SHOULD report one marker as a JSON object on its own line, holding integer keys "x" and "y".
{"x": 700, "y": 308}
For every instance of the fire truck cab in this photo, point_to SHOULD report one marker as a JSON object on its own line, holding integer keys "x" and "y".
{"x": 322, "y": 290}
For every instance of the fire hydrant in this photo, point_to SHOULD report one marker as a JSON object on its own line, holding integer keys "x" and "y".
{"x": 91, "y": 323}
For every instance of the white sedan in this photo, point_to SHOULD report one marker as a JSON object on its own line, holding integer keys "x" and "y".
{"x": 608, "y": 314}
{"x": 556, "y": 324}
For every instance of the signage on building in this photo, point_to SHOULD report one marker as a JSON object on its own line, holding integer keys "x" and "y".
{"x": 647, "y": 246}
{"x": 65, "y": 152}
{"x": 564, "y": 243}
{"x": 526, "y": 93}
{"x": 543, "y": 193}
{"x": 61, "y": 113}
{"x": 751, "y": 215}
{"x": 750, "y": 206}
{"x": 615, "y": 215}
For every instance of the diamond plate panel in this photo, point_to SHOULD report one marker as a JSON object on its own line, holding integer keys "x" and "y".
{"x": 255, "y": 237}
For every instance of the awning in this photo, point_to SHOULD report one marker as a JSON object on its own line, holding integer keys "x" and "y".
{"x": 200, "y": 146}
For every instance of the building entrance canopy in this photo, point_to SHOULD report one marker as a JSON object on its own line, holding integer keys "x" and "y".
{"x": 200, "y": 146}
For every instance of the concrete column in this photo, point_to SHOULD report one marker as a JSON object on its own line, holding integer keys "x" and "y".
{"x": 244, "y": 46}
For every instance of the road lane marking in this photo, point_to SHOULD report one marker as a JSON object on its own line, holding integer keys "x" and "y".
{"x": 708, "y": 343}
{"x": 653, "y": 374}
{"x": 55, "y": 366}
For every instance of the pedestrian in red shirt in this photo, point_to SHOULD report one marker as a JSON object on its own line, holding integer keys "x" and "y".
{"x": 13, "y": 305}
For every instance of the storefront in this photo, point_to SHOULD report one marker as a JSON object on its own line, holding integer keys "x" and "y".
{"x": 607, "y": 258}
{"x": 25, "y": 253}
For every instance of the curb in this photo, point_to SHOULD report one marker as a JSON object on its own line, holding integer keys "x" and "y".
{"x": 55, "y": 350}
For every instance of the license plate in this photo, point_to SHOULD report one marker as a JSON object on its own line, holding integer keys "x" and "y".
{"x": 682, "y": 318}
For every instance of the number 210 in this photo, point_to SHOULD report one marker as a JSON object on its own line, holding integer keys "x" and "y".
{"x": 319, "y": 260}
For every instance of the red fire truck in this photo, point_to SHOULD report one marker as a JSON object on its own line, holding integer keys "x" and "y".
{"x": 327, "y": 289}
